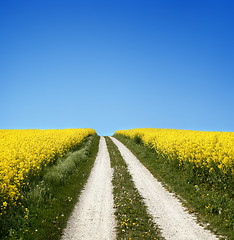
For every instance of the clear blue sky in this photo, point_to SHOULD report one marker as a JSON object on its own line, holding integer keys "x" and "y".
{"x": 111, "y": 65}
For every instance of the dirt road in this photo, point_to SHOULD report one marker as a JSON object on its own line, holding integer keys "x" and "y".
{"x": 93, "y": 216}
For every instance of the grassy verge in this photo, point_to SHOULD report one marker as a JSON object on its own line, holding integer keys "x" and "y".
{"x": 133, "y": 221}
{"x": 49, "y": 201}
{"x": 212, "y": 206}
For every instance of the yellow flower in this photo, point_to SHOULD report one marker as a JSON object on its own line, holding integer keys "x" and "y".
{"x": 24, "y": 151}
{"x": 203, "y": 149}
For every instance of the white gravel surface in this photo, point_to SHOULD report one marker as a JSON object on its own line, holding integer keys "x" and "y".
{"x": 168, "y": 213}
{"x": 93, "y": 216}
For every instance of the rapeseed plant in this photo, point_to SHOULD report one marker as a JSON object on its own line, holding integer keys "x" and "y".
{"x": 24, "y": 154}
{"x": 208, "y": 153}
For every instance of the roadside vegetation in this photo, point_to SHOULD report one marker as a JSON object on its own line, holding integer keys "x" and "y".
{"x": 212, "y": 205}
{"x": 133, "y": 221}
{"x": 48, "y": 200}
{"x": 26, "y": 153}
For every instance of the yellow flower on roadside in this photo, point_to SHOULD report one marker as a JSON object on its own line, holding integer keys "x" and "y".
{"x": 25, "y": 153}
{"x": 200, "y": 148}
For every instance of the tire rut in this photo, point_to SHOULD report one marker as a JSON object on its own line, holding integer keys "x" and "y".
{"x": 93, "y": 216}
{"x": 168, "y": 213}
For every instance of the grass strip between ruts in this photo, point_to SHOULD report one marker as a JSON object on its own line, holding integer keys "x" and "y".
{"x": 210, "y": 206}
{"x": 50, "y": 201}
{"x": 133, "y": 221}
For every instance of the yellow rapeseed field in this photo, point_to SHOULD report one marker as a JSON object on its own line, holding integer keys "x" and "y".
{"x": 202, "y": 149}
{"x": 25, "y": 152}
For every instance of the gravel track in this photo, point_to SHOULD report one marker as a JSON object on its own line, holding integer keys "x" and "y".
{"x": 168, "y": 213}
{"x": 93, "y": 216}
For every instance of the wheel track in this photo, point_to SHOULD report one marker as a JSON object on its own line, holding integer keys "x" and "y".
{"x": 93, "y": 216}
{"x": 168, "y": 213}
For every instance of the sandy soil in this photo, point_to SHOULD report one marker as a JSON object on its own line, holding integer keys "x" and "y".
{"x": 93, "y": 216}
{"x": 168, "y": 213}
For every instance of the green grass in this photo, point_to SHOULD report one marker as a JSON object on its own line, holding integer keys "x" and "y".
{"x": 133, "y": 221}
{"x": 49, "y": 201}
{"x": 211, "y": 205}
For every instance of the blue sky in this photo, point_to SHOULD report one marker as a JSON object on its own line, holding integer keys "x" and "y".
{"x": 111, "y": 65}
